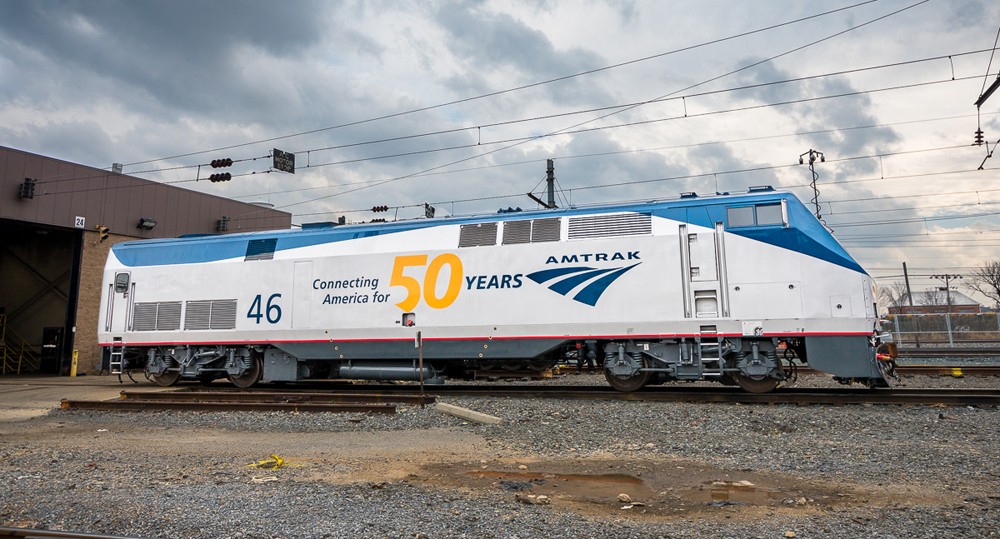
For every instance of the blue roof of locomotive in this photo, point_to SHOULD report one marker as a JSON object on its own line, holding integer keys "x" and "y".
{"x": 803, "y": 234}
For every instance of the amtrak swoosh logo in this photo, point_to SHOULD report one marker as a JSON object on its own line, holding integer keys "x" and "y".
{"x": 566, "y": 279}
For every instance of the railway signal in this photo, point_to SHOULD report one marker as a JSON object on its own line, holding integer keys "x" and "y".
{"x": 220, "y": 177}
{"x": 379, "y": 209}
{"x": 102, "y": 232}
{"x": 28, "y": 188}
{"x": 222, "y": 163}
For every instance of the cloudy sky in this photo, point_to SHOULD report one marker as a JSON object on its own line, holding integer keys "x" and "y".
{"x": 460, "y": 103}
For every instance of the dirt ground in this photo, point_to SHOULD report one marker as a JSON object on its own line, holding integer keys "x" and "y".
{"x": 447, "y": 459}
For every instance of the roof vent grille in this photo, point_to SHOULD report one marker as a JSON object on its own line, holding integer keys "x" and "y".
{"x": 610, "y": 226}
{"x": 478, "y": 235}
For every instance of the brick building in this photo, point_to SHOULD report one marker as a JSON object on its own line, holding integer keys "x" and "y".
{"x": 52, "y": 256}
{"x": 936, "y": 302}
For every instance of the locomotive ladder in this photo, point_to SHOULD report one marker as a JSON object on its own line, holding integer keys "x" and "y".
{"x": 117, "y": 356}
{"x": 709, "y": 347}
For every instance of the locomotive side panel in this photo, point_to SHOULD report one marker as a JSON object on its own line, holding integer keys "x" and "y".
{"x": 641, "y": 284}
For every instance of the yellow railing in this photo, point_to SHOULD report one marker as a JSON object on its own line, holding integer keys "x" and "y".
{"x": 17, "y": 356}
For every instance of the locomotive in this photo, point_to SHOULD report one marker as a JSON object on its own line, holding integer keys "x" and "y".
{"x": 730, "y": 288}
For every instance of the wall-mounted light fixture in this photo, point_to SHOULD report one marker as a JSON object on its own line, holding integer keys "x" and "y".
{"x": 146, "y": 223}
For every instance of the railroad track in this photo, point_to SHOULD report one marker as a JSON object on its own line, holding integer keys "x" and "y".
{"x": 676, "y": 393}
{"x": 911, "y": 342}
{"x": 251, "y": 401}
{"x": 31, "y": 532}
{"x": 929, "y": 370}
{"x": 965, "y": 351}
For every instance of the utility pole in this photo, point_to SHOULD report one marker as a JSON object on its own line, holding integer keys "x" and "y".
{"x": 550, "y": 180}
{"x": 909, "y": 296}
{"x": 947, "y": 291}
{"x": 813, "y": 155}
{"x": 947, "y": 286}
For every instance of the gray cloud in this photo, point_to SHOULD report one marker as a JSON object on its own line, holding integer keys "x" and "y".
{"x": 841, "y": 112}
{"x": 490, "y": 42}
{"x": 209, "y": 59}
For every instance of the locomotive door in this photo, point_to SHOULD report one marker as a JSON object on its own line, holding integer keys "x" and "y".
{"x": 301, "y": 306}
{"x": 121, "y": 296}
{"x": 703, "y": 273}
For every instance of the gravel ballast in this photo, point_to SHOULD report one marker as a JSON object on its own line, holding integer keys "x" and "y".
{"x": 888, "y": 471}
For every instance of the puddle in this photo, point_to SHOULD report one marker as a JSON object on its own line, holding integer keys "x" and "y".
{"x": 601, "y": 478}
{"x": 660, "y": 489}
{"x": 741, "y": 494}
{"x": 593, "y": 488}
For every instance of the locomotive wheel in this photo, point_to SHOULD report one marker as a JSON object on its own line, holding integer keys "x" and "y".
{"x": 488, "y": 365}
{"x": 250, "y": 377}
{"x": 751, "y": 385}
{"x": 512, "y": 366}
{"x": 167, "y": 378}
{"x": 628, "y": 383}
{"x": 539, "y": 366}
{"x": 727, "y": 380}
{"x": 758, "y": 384}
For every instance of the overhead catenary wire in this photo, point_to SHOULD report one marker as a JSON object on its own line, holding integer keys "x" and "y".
{"x": 633, "y": 104}
{"x": 537, "y": 137}
{"x": 986, "y": 78}
{"x": 632, "y": 182}
{"x": 740, "y": 109}
{"x": 272, "y": 192}
{"x": 912, "y": 208}
{"x": 517, "y": 88}
{"x": 58, "y": 178}
{"x": 917, "y": 219}
{"x": 771, "y": 58}
{"x": 620, "y": 152}
{"x": 713, "y": 173}
{"x": 926, "y": 233}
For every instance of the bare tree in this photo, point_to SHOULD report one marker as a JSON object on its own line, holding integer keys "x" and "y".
{"x": 926, "y": 297}
{"x": 893, "y": 295}
{"x": 985, "y": 279}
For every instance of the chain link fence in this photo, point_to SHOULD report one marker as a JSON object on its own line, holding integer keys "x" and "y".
{"x": 950, "y": 329}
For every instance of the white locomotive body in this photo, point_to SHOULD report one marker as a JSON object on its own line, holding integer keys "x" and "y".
{"x": 722, "y": 288}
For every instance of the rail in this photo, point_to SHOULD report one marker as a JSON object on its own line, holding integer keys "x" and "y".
{"x": 709, "y": 394}
{"x": 250, "y": 401}
{"x": 16, "y": 355}
{"x": 930, "y": 370}
{"x": 992, "y": 351}
{"x": 32, "y": 532}
{"x": 702, "y": 394}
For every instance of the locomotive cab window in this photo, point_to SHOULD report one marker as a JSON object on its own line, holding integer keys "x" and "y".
{"x": 121, "y": 282}
{"x": 740, "y": 216}
{"x": 771, "y": 214}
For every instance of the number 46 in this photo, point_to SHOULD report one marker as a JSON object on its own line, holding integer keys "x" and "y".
{"x": 254, "y": 311}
